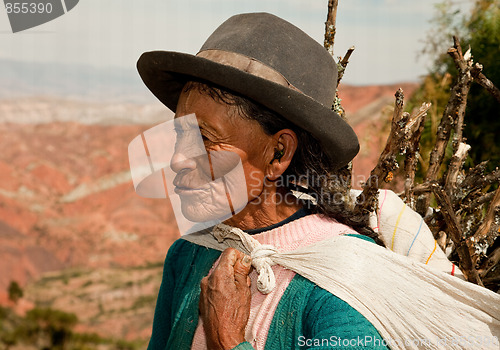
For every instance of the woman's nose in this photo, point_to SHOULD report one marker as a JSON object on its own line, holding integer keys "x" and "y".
{"x": 180, "y": 162}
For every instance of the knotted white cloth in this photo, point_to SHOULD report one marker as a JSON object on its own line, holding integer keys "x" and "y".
{"x": 262, "y": 254}
{"x": 413, "y": 306}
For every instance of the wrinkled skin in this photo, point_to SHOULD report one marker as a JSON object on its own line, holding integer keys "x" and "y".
{"x": 225, "y": 300}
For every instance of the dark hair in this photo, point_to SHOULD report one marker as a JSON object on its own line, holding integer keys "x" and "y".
{"x": 329, "y": 188}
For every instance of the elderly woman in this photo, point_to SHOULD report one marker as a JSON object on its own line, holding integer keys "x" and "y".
{"x": 262, "y": 89}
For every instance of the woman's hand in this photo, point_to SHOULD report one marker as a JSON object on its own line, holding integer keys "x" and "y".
{"x": 225, "y": 300}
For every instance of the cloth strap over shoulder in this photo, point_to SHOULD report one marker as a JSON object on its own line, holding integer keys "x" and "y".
{"x": 411, "y": 304}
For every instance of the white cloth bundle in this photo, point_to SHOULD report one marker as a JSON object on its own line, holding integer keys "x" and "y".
{"x": 413, "y": 306}
{"x": 404, "y": 232}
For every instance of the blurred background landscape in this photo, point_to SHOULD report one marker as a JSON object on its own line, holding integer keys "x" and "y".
{"x": 73, "y": 233}
{"x": 81, "y": 254}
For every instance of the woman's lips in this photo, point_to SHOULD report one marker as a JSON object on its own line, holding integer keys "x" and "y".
{"x": 190, "y": 183}
{"x": 180, "y": 190}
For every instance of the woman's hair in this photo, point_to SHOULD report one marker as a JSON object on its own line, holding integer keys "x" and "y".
{"x": 310, "y": 171}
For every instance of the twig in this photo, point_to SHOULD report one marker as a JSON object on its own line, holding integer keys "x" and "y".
{"x": 343, "y": 64}
{"x": 473, "y": 176}
{"x": 481, "y": 79}
{"x": 422, "y": 188}
{"x": 329, "y": 41}
{"x": 463, "y": 64}
{"x": 490, "y": 178}
{"x": 455, "y": 233}
{"x": 473, "y": 204}
{"x": 458, "y": 47}
{"x": 347, "y": 55}
{"x": 330, "y": 29}
{"x": 402, "y": 127}
{"x": 472, "y": 186}
{"x": 456, "y": 163}
{"x": 456, "y": 105}
{"x": 365, "y": 202}
{"x": 453, "y": 114}
{"x": 437, "y": 153}
{"x": 488, "y": 231}
{"x": 413, "y": 146}
{"x": 490, "y": 263}
{"x": 454, "y": 229}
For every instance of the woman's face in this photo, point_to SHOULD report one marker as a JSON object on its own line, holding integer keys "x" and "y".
{"x": 224, "y": 133}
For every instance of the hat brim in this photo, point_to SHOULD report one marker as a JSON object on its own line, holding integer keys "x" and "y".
{"x": 165, "y": 73}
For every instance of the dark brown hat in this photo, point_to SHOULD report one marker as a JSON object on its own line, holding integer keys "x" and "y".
{"x": 268, "y": 60}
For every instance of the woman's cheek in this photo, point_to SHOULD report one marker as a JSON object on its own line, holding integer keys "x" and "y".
{"x": 255, "y": 182}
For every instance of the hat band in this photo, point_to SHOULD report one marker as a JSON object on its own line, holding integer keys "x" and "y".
{"x": 246, "y": 64}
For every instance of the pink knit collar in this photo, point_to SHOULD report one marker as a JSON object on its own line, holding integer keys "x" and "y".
{"x": 302, "y": 232}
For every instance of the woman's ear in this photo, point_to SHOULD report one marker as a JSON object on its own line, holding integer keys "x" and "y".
{"x": 285, "y": 144}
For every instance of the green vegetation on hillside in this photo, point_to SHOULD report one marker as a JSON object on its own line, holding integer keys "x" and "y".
{"x": 479, "y": 30}
{"x": 45, "y": 328}
{"x": 72, "y": 305}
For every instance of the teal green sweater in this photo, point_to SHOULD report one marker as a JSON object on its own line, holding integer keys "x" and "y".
{"x": 307, "y": 316}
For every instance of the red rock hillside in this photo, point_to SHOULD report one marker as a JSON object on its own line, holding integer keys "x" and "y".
{"x": 66, "y": 198}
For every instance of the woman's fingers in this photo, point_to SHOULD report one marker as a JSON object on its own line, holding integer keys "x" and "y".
{"x": 233, "y": 264}
{"x": 225, "y": 300}
{"x": 242, "y": 268}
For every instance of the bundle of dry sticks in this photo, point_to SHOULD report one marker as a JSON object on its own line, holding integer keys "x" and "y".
{"x": 465, "y": 219}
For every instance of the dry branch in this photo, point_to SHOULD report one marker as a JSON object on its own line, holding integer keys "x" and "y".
{"x": 471, "y": 188}
{"x": 456, "y": 164}
{"x": 455, "y": 107}
{"x": 330, "y": 29}
{"x": 329, "y": 40}
{"x": 456, "y": 235}
{"x": 412, "y": 148}
{"x": 422, "y": 188}
{"x": 489, "y": 230}
{"x": 490, "y": 263}
{"x": 403, "y": 131}
{"x": 455, "y": 231}
{"x": 473, "y": 204}
{"x": 343, "y": 64}
{"x": 453, "y": 114}
{"x": 481, "y": 79}
{"x": 490, "y": 178}
{"x": 473, "y": 176}
{"x": 387, "y": 163}
{"x": 344, "y": 61}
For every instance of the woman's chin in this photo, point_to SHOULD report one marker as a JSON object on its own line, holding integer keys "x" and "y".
{"x": 204, "y": 212}
{"x": 203, "y": 205}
